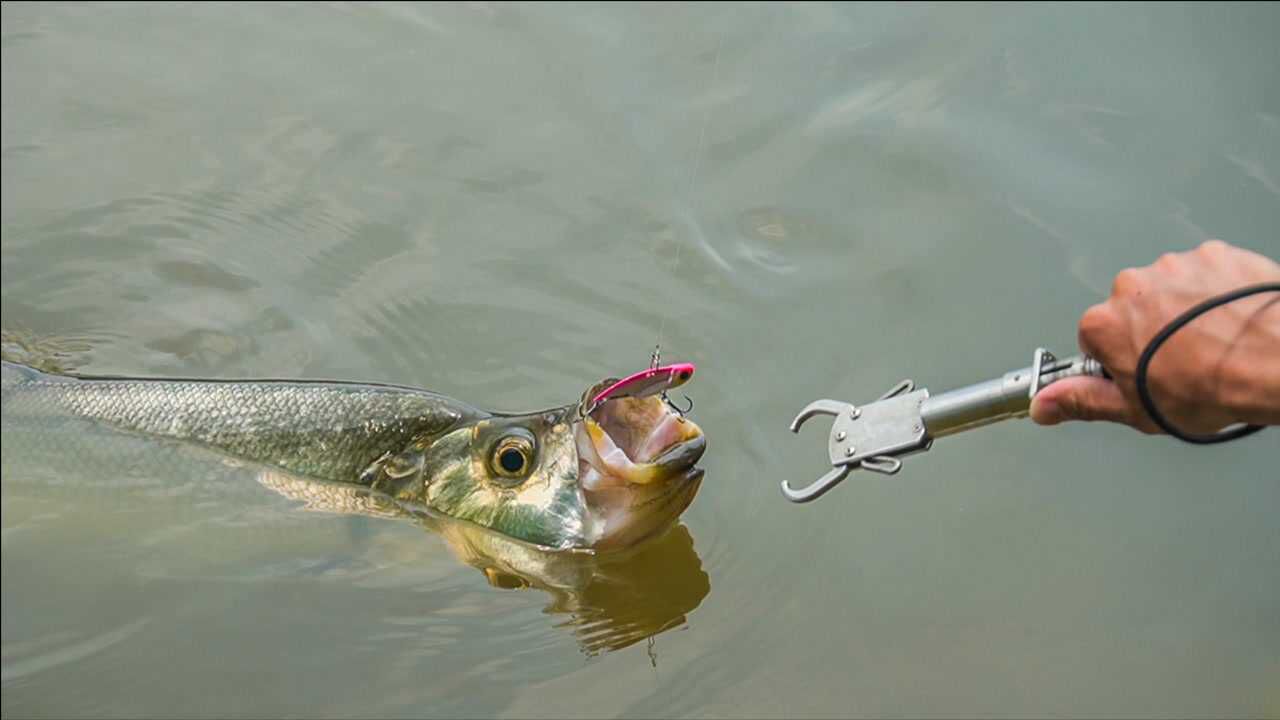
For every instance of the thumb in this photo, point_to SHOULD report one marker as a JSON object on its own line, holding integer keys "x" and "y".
{"x": 1080, "y": 398}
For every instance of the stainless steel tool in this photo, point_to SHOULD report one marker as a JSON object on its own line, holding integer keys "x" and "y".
{"x": 905, "y": 421}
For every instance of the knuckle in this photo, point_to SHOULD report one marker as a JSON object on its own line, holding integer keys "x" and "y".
{"x": 1085, "y": 411}
{"x": 1071, "y": 407}
{"x": 1168, "y": 262}
{"x": 1096, "y": 320}
{"x": 1083, "y": 405}
{"x": 1127, "y": 282}
{"x": 1212, "y": 249}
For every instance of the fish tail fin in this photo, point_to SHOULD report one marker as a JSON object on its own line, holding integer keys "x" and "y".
{"x": 47, "y": 354}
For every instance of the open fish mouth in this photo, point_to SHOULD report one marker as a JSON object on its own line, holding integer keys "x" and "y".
{"x": 637, "y": 467}
{"x": 636, "y": 441}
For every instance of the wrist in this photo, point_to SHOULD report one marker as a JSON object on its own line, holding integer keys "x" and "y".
{"x": 1250, "y": 382}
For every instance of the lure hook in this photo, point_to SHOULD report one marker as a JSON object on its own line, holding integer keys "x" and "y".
{"x": 675, "y": 408}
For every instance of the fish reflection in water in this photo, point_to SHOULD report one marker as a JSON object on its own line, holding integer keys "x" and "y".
{"x": 610, "y": 600}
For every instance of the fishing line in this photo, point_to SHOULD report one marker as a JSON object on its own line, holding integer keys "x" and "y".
{"x": 655, "y": 359}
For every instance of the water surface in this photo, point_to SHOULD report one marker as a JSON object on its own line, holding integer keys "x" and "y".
{"x": 505, "y": 202}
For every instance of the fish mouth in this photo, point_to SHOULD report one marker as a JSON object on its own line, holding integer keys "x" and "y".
{"x": 637, "y": 466}
{"x": 636, "y": 441}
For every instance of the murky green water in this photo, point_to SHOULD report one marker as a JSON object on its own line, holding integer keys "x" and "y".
{"x": 505, "y": 202}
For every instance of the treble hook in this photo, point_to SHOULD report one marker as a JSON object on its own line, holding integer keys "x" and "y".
{"x": 676, "y": 409}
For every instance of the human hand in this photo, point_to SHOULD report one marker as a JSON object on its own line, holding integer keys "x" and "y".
{"x": 1222, "y": 368}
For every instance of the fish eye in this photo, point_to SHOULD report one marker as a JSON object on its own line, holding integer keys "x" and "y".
{"x": 684, "y": 374}
{"x": 512, "y": 460}
{"x": 513, "y": 456}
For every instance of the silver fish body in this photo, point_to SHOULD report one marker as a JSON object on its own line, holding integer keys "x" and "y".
{"x": 325, "y": 430}
{"x": 558, "y": 479}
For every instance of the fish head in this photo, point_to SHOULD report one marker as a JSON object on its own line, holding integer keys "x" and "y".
{"x": 563, "y": 478}
{"x": 514, "y": 474}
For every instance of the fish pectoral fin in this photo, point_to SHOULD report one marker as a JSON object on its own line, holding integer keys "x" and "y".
{"x": 328, "y": 497}
{"x": 393, "y": 466}
{"x": 405, "y": 464}
{"x": 370, "y": 474}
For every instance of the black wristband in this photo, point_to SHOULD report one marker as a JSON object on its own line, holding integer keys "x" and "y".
{"x": 1140, "y": 377}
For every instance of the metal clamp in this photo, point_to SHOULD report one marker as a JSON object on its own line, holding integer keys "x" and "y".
{"x": 906, "y": 421}
{"x": 872, "y": 437}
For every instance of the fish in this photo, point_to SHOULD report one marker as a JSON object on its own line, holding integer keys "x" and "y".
{"x": 171, "y": 510}
{"x": 598, "y": 477}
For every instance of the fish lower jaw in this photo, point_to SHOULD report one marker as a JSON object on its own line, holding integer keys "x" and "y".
{"x": 622, "y": 517}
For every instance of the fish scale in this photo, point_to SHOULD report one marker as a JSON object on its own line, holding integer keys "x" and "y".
{"x": 413, "y": 447}
{"x": 289, "y": 424}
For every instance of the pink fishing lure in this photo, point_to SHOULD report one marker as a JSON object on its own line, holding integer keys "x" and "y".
{"x": 647, "y": 382}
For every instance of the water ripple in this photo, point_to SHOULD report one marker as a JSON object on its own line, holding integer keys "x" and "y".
{"x": 30, "y": 657}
